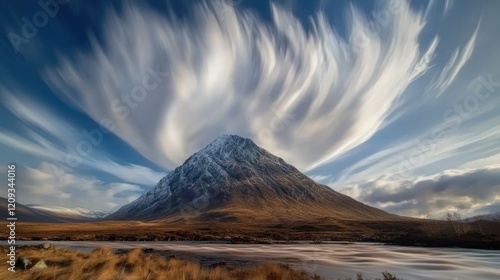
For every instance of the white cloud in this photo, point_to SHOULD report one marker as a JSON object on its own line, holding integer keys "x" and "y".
{"x": 321, "y": 178}
{"x": 41, "y": 185}
{"x": 30, "y": 112}
{"x": 48, "y": 137}
{"x": 468, "y": 191}
{"x": 451, "y": 142}
{"x": 448, "y": 5}
{"x": 32, "y": 147}
{"x": 425, "y": 62}
{"x": 481, "y": 162}
{"x": 308, "y": 97}
{"x": 456, "y": 62}
{"x": 408, "y": 159}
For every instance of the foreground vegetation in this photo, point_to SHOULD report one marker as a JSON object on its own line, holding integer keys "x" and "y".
{"x": 135, "y": 264}
{"x": 104, "y": 264}
{"x": 418, "y": 232}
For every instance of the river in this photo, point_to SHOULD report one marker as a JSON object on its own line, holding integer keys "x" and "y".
{"x": 332, "y": 260}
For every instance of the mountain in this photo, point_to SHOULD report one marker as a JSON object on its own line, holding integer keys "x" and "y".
{"x": 27, "y": 214}
{"x": 234, "y": 180}
{"x": 488, "y": 217}
{"x": 49, "y": 214}
{"x": 71, "y": 213}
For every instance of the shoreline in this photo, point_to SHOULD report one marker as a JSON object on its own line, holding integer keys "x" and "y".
{"x": 338, "y": 261}
{"x": 45, "y": 261}
{"x": 449, "y": 244}
{"x": 430, "y": 234}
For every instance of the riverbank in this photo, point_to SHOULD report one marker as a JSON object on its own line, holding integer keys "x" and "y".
{"x": 420, "y": 233}
{"x": 40, "y": 263}
{"x": 331, "y": 261}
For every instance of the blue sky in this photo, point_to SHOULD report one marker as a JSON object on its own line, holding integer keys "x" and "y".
{"x": 395, "y": 103}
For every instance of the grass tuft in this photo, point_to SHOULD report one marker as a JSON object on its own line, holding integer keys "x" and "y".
{"x": 104, "y": 264}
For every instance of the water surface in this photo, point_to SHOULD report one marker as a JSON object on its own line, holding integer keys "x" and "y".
{"x": 331, "y": 261}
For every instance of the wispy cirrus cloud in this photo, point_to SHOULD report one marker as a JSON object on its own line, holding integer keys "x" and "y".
{"x": 448, "y": 5}
{"x": 50, "y": 138}
{"x": 351, "y": 99}
{"x": 39, "y": 185}
{"x": 457, "y": 60}
{"x": 414, "y": 156}
{"x": 234, "y": 73}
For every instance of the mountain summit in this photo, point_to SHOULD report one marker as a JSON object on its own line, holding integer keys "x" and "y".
{"x": 233, "y": 179}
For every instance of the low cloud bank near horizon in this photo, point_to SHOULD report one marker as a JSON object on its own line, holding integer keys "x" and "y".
{"x": 42, "y": 186}
{"x": 470, "y": 192}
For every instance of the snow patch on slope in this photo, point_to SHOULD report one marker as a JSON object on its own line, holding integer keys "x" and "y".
{"x": 487, "y": 217}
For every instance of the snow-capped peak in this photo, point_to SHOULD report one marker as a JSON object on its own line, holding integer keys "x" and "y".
{"x": 221, "y": 140}
{"x": 234, "y": 173}
{"x": 229, "y": 146}
{"x": 224, "y": 141}
{"x": 221, "y": 160}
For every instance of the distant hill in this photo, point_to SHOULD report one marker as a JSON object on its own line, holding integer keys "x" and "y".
{"x": 234, "y": 180}
{"x": 494, "y": 217}
{"x": 71, "y": 213}
{"x": 27, "y": 214}
{"x": 37, "y": 213}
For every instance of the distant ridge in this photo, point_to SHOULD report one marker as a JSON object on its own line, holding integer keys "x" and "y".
{"x": 486, "y": 217}
{"x": 41, "y": 214}
{"x": 72, "y": 213}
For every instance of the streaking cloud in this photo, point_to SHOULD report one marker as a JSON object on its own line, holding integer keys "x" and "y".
{"x": 168, "y": 87}
{"x": 51, "y": 138}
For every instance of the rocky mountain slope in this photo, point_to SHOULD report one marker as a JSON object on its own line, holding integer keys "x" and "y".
{"x": 234, "y": 180}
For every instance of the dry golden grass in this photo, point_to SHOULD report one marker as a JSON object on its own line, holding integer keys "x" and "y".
{"x": 480, "y": 234}
{"x": 324, "y": 229}
{"x": 104, "y": 264}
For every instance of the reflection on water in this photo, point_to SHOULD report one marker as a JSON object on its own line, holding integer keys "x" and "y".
{"x": 332, "y": 260}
